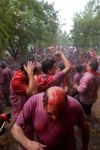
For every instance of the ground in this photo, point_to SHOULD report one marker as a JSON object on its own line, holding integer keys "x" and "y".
{"x": 8, "y": 143}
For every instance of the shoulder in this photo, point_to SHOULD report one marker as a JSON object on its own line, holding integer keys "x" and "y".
{"x": 73, "y": 103}
{"x": 58, "y": 74}
{"x": 18, "y": 82}
{"x": 17, "y": 76}
{"x": 36, "y": 99}
{"x": 75, "y": 109}
{"x": 86, "y": 77}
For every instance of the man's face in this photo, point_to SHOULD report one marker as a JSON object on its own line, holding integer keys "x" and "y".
{"x": 55, "y": 102}
{"x": 53, "y": 112}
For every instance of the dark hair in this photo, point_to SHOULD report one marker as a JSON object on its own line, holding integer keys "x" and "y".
{"x": 36, "y": 70}
{"x": 79, "y": 68}
{"x": 45, "y": 99}
{"x": 62, "y": 66}
{"x": 24, "y": 62}
{"x": 22, "y": 66}
{"x": 94, "y": 65}
{"x": 47, "y": 64}
{"x": 2, "y": 65}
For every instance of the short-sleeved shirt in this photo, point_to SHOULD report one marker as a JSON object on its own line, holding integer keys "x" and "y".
{"x": 56, "y": 134}
{"x": 88, "y": 88}
{"x": 18, "y": 87}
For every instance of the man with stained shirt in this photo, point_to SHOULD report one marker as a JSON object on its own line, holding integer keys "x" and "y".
{"x": 76, "y": 79}
{"x": 22, "y": 86}
{"x": 50, "y": 76}
{"x": 78, "y": 75}
{"x": 88, "y": 87}
{"x": 53, "y": 116}
{"x": 5, "y": 78}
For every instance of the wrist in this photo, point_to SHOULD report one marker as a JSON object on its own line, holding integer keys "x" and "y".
{"x": 62, "y": 55}
{"x": 28, "y": 144}
{"x": 30, "y": 74}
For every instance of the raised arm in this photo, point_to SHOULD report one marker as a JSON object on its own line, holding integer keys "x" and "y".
{"x": 65, "y": 61}
{"x": 32, "y": 87}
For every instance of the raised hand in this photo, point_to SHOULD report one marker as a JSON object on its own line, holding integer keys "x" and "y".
{"x": 29, "y": 67}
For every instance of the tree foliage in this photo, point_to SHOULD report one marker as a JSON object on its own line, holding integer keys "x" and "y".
{"x": 26, "y": 21}
{"x": 86, "y": 29}
{"x": 63, "y": 38}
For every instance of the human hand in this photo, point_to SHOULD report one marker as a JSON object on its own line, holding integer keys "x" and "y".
{"x": 29, "y": 67}
{"x": 58, "y": 53}
{"x": 35, "y": 146}
{"x": 66, "y": 89}
{"x": 75, "y": 86}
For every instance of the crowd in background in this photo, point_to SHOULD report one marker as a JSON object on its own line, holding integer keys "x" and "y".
{"x": 77, "y": 72}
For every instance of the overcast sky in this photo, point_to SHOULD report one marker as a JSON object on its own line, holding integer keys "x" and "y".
{"x": 66, "y": 10}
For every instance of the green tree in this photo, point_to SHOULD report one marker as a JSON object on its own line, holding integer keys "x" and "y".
{"x": 63, "y": 38}
{"x": 86, "y": 29}
{"x": 25, "y": 22}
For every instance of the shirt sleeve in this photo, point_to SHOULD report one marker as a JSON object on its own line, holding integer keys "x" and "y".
{"x": 27, "y": 113}
{"x": 59, "y": 75}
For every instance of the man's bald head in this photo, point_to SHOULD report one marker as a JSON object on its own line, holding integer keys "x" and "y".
{"x": 55, "y": 101}
{"x": 54, "y": 96}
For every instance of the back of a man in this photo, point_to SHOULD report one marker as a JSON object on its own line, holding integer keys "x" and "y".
{"x": 89, "y": 95}
{"x": 78, "y": 75}
{"x": 18, "y": 95}
{"x": 50, "y": 77}
{"x": 22, "y": 86}
{"x": 88, "y": 87}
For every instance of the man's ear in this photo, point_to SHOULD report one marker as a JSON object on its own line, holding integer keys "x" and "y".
{"x": 47, "y": 108}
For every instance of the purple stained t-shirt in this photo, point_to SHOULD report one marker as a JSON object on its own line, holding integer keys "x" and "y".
{"x": 56, "y": 134}
{"x": 88, "y": 88}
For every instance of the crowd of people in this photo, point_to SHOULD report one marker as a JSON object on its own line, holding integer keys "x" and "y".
{"x": 49, "y": 94}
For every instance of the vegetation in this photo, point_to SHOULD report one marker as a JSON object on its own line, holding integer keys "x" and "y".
{"x": 36, "y": 23}
{"x": 86, "y": 29}
{"x": 62, "y": 38}
{"x": 25, "y": 22}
